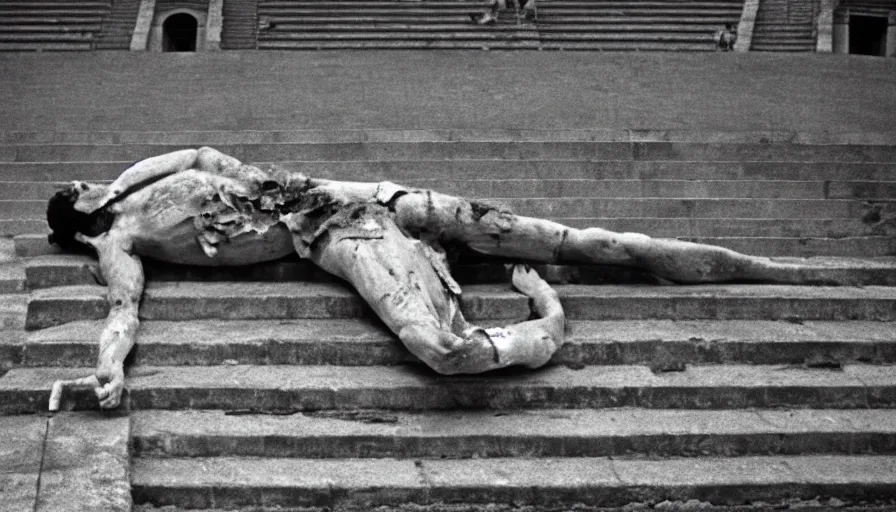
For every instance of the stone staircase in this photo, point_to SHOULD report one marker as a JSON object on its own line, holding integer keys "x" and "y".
{"x": 240, "y": 25}
{"x": 868, "y": 7}
{"x": 785, "y": 26}
{"x": 118, "y": 26}
{"x": 686, "y": 25}
{"x": 273, "y": 386}
{"x": 51, "y": 25}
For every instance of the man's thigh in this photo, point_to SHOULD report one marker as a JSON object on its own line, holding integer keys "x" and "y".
{"x": 379, "y": 269}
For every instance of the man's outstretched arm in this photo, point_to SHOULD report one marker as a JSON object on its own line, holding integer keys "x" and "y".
{"x": 123, "y": 273}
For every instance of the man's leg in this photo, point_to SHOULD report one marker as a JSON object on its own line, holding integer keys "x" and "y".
{"x": 497, "y": 232}
{"x": 399, "y": 284}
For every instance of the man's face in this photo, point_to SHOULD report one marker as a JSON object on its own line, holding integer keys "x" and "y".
{"x": 90, "y": 196}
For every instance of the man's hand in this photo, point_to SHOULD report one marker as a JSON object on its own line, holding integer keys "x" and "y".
{"x": 111, "y": 379}
{"x": 107, "y": 383}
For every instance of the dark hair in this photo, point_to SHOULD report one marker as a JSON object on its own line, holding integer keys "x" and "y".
{"x": 65, "y": 221}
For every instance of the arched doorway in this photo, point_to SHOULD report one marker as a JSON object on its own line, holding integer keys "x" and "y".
{"x": 868, "y": 35}
{"x": 179, "y": 33}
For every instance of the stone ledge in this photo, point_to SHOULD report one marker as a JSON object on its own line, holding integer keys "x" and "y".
{"x": 661, "y": 344}
{"x": 528, "y": 433}
{"x": 293, "y": 388}
{"x": 481, "y": 135}
{"x": 305, "y": 300}
{"x": 235, "y": 482}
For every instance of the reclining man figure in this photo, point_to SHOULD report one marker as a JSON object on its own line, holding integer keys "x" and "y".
{"x": 202, "y": 207}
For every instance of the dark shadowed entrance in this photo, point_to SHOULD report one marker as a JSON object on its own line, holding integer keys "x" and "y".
{"x": 179, "y": 33}
{"x": 868, "y": 35}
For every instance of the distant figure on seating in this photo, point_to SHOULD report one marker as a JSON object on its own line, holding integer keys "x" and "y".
{"x": 523, "y": 8}
{"x": 726, "y": 37}
{"x": 265, "y": 24}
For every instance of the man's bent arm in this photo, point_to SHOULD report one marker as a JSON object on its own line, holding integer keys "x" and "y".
{"x": 154, "y": 168}
{"x": 92, "y": 199}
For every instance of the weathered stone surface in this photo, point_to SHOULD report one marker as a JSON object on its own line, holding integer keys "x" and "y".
{"x": 853, "y": 246}
{"x": 291, "y": 388}
{"x": 246, "y": 301}
{"x": 235, "y": 482}
{"x": 21, "y": 448}
{"x": 12, "y": 311}
{"x": 68, "y": 270}
{"x": 365, "y": 342}
{"x": 526, "y": 433}
{"x": 435, "y": 170}
{"x": 465, "y": 150}
{"x": 230, "y": 482}
{"x": 86, "y": 463}
{"x": 212, "y": 137}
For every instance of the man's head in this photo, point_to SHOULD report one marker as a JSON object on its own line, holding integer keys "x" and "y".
{"x": 65, "y": 221}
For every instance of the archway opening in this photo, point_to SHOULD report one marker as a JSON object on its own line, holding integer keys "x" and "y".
{"x": 868, "y": 35}
{"x": 179, "y": 33}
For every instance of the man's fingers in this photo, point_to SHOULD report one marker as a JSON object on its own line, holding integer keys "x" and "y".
{"x": 101, "y": 393}
{"x": 110, "y": 403}
{"x": 112, "y": 392}
{"x": 60, "y": 385}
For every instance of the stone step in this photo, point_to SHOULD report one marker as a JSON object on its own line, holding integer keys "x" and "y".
{"x": 663, "y": 345}
{"x": 392, "y": 151}
{"x": 306, "y": 300}
{"x": 551, "y": 188}
{"x": 48, "y": 20}
{"x": 350, "y": 33}
{"x": 89, "y": 27}
{"x": 50, "y": 47}
{"x": 25, "y": 4}
{"x": 423, "y": 9}
{"x": 465, "y": 26}
{"x": 45, "y": 37}
{"x": 851, "y": 247}
{"x": 521, "y": 136}
{"x": 404, "y": 171}
{"x": 270, "y": 7}
{"x": 48, "y": 271}
{"x": 557, "y": 18}
{"x": 776, "y": 48}
{"x": 68, "y": 270}
{"x": 33, "y": 240}
{"x": 615, "y": 207}
{"x": 12, "y": 277}
{"x": 364, "y": 484}
{"x": 53, "y": 14}
{"x": 532, "y": 433}
{"x": 286, "y": 389}
{"x": 13, "y": 310}
{"x": 26, "y": 227}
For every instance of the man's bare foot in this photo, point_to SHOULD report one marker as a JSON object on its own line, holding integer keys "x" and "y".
{"x": 526, "y": 280}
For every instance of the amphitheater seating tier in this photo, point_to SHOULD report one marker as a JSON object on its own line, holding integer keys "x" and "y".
{"x": 785, "y": 26}
{"x": 562, "y": 24}
{"x": 118, "y": 26}
{"x": 51, "y": 24}
{"x": 240, "y": 25}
